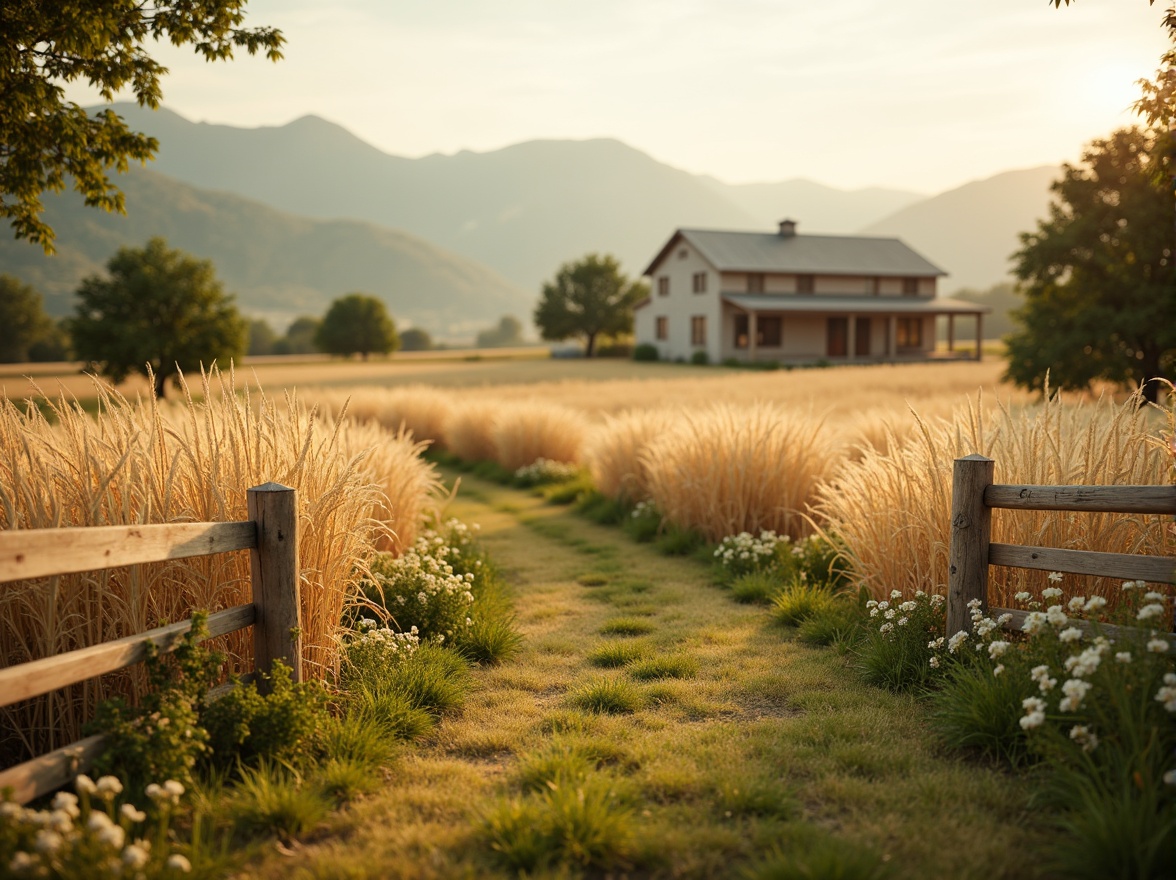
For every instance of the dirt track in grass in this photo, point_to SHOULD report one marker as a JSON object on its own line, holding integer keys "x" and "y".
{"x": 760, "y": 744}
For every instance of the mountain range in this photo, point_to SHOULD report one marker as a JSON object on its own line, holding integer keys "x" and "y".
{"x": 297, "y": 214}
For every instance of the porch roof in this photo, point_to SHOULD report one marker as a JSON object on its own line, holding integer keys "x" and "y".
{"x": 872, "y": 305}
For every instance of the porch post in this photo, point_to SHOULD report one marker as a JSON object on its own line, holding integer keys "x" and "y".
{"x": 752, "y": 331}
{"x": 851, "y": 337}
{"x": 891, "y": 332}
{"x": 979, "y": 333}
{"x": 950, "y": 332}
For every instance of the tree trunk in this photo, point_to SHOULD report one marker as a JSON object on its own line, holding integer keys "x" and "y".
{"x": 160, "y": 385}
{"x": 591, "y": 349}
{"x": 1149, "y": 371}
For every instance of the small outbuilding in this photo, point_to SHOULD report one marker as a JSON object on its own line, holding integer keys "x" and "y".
{"x": 795, "y": 298}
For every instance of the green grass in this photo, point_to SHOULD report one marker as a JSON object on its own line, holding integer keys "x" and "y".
{"x": 798, "y": 601}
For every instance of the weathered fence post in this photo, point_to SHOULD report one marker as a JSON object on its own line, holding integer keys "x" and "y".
{"x": 971, "y": 531}
{"x": 277, "y": 630}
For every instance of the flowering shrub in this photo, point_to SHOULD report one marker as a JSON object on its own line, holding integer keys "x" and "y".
{"x": 745, "y": 553}
{"x": 89, "y": 835}
{"x": 1100, "y": 709}
{"x": 900, "y": 640}
{"x": 373, "y": 650}
{"x": 543, "y": 470}
{"x": 421, "y": 591}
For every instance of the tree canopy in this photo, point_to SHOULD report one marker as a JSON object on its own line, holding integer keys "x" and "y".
{"x": 508, "y": 332}
{"x": 357, "y": 324}
{"x": 160, "y": 310}
{"x": 44, "y": 139}
{"x": 1099, "y": 275}
{"x": 587, "y": 298}
{"x": 23, "y": 319}
{"x": 415, "y": 339}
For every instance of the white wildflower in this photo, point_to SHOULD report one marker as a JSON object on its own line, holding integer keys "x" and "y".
{"x": 1076, "y": 603}
{"x": 933, "y": 662}
{"x": 1075, "y": 690}
{"x": 1085, "y": 737}
{"x": 1051, "y": 593}
{"x": 1070, "y": 634}
{"x": 1034, "y": 622}
{"x": 66, "y": 802}
{"x": 998, "y": 669}
{"x": 84, "y": 784}
{"x": 997, "y": 649}
{"x": 953, "y": 644}
{"x": 134, "y": 856}
{"x": 177, "y": 862}
{"x": 112, "y": 836}
{"x": 109, "y": 786}
{"x": 131, "y": 814}
{"x": 47, "y": 841}
{"x": 1022, "y": 597}
{"x": 1147, "y": 612}
{"x": 1034, "y": 713}
{"x": 1094, "y": 603}
{"x": 1153, "y": 596}
{"x": 1055, "y": 577}
{"x": 1056, "y": 616}
{"x": 1123, "y": 657}
{"x": 1157, "y": 646}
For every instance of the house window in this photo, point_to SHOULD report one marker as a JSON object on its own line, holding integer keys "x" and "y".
{"x": 698, "y": 330}
{"x": 909, "y": 333}
{"x": 755, "y": 282}
{"x": 910, "y": 286}
{"x": 769, "y": 331}
{"x": 663, "y": 286}
{"x": 875, "y": 286}
{"x": 804, "y": 284}
{"x": 698, "y": 280}
{"x": 661, "y": 327}
{"x": 683, "y": 254}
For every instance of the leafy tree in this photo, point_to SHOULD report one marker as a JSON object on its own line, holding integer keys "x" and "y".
{"x": 23, "y": 318}
{"x": 587, "y": 298}
{"x": 415, "y": 339}
{"x": 357, "y": 323}
{"x": 262, "y": 338}
{"x": 508, "y": 332}
{"x": 299, "y": 338}
{"x": 1098, "y": 276}
{"x": 44, "y": 139}
{"x": 161, "y": 309}
{"x": 53, "y": 345}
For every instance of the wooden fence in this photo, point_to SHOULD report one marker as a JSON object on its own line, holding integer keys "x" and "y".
{"x": 974, "y": 495}
{"x": 270, "y": 533}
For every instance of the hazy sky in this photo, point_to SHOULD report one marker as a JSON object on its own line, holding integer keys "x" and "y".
{"x": 915, "y": 94}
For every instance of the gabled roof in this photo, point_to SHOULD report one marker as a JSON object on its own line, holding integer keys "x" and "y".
{"x": 807, "y": 254}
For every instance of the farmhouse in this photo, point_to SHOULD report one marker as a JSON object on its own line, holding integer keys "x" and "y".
{"x": 787, "y": 297}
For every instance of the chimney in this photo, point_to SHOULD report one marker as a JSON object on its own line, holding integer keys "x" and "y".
{"x": 787, "y": 228}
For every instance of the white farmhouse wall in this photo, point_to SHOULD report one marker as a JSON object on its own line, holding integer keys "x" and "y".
{"x": 679, "y": 266}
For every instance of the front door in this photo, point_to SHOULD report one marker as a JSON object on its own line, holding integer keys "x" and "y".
{"x": 861, "y": 337}
{"x": 837, "y": 339}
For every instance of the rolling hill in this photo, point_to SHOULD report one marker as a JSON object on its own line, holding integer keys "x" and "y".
{"x": 278, "y": 264}
{"x": 971, "y": 231}
{"x": 523, "y": 210}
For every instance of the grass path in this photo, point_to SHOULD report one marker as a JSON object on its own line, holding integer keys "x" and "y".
{"x": 741, "y": 742}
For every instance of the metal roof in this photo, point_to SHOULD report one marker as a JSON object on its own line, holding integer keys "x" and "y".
{"x": 807, "y": 254}
{"x": 833, "y": 304}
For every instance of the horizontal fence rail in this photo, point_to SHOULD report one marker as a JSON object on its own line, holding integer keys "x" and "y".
{"x": 974, "y": 495}
{"x": 270, "y": 533}
{"x": 26, "y": 554}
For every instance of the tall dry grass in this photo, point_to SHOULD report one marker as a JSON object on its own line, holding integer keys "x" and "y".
{"x": 892, "y": 508}
{"x": 469, "y": 430}
{"x": 142, "y": 462}
{"x": 613, "y": 451}
{"x": 733, "y": 468}
{"x": 420, "y": 410}
{"x": 525, "y": 431}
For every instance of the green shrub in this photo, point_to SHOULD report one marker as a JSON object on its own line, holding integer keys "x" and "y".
{"x": 676, "y": 541}
{"x": 646, "y": 351}
{"x": 700, "y": 358}
{"x": 244, "y": 726}
{"x": 490, "y": 639}
{"x": 974, "y": 710}
{"x": 543, "y": 471}
{"x": 358, "y": 737}
{"x": 395, "y": 713}
{"x": 839, "y": 623}
{"x": 600, "y": 508}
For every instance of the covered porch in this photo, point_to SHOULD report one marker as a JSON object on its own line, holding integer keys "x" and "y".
{"x": 842, "y": 329}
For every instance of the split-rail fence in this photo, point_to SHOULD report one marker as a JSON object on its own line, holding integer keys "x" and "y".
{"x": 270, "y": 533}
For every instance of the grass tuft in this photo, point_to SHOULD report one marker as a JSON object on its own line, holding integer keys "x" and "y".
{"x": 626, "y": 626}
{"x": 679, "y": 666}
{"x": 613, "y": 654}
{"x": 798, "y": 601}
{"x": 270, "y": 800}
{"x": 611, "y": 696}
